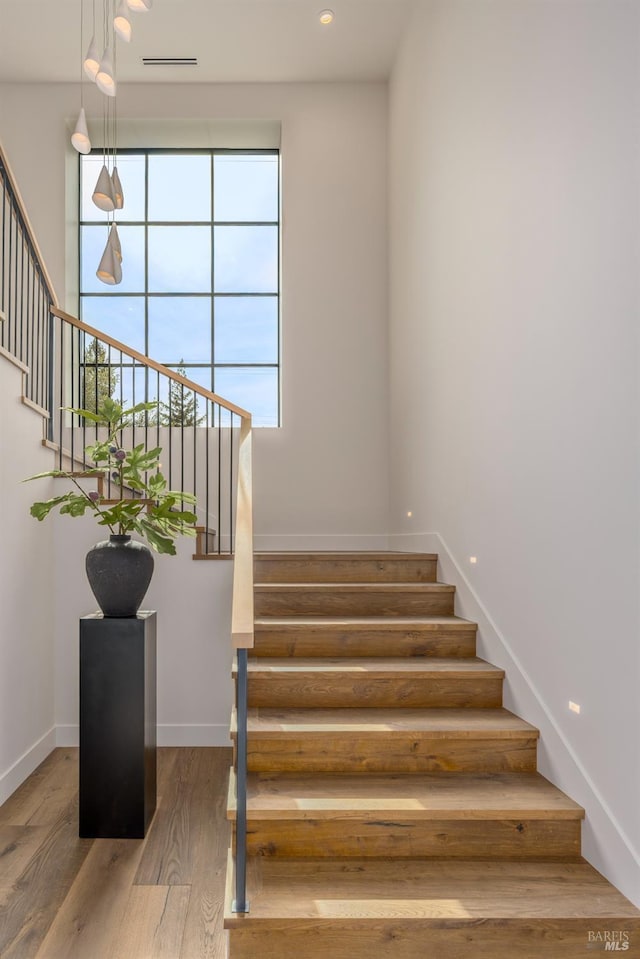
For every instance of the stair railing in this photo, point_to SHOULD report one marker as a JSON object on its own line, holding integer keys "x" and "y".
{"x": 26, "y": 294}
{"x": 199, "y": 432}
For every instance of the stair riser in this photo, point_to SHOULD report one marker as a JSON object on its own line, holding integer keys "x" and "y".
{"x": 331, "y": 643}
{"x": 283, "y": 602}
{"x": 334, "y": 690}
{"x": 345, "y": 571}
{"x": 412, "y": 938}
{"x": 439, "y": 839}
{"x": 386, "y": 753}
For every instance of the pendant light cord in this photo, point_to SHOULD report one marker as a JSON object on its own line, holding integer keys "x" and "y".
{"x": 81, "y": 50}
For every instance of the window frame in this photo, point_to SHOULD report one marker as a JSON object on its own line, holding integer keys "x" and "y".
{"x": 210, "y": 295}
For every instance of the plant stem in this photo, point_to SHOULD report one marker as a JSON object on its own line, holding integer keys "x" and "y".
{"x": 94, "y": 505}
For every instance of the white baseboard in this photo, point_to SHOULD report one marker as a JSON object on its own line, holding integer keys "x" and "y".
{"x": 16, "y": 774}
{"x": 316, "y": 541}
{"x": 168, "y": 735}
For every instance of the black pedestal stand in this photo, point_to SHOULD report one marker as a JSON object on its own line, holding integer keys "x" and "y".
{"x": 117, "y": 725}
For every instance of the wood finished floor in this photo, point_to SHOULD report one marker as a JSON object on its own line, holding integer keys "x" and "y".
{"x": 62, "y": 897}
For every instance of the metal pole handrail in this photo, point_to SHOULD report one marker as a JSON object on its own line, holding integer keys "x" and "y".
{"x": 240, "y": 904}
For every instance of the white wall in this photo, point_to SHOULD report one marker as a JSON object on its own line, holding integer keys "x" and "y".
{"x": 514, "y": 364}
{"x": 27, "y": 732}
{"x": 323, "y": 476}
{"x": 322, "y": 479}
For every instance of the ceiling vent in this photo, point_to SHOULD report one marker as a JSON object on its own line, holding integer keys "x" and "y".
{"x": 170, "y": 61}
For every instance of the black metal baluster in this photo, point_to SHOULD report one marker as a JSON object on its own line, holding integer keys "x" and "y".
{"x": 61, "y": 375}
{"x": 21, "y": 322}
{"x": 9, "y": 319}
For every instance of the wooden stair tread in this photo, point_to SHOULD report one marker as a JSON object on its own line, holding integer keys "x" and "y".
{"x": 423, "y": 723}
{"x": 366, "y": 587}
{"x": 340, "y": 555}
{"x": 429, "y": 891}
{"x": 398, "y": 623}
{"x": 447, "y": 796}
{"x": 416, "y": 667}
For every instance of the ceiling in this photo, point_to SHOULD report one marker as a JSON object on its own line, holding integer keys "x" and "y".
{"x": 233, "y": 40}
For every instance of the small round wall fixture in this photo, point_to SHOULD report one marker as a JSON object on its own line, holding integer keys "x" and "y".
{"x": 326, "y": 17}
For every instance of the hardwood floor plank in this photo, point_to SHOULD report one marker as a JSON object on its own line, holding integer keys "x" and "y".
{"x": 183, "y": 817}
{"x": 153, "y": 923}
{"x": 204, "y": 935}
{"x": 91, "y": 915}
{"x": 18, "y": 845}
{"x": 62, "y": 897}
{"x": 44, "y": 796}
{"x": 30, "y": 905}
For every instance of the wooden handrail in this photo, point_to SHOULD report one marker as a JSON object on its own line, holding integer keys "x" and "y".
{"x": 27, "y": 222}
{"x": 151, "y": 364}
{"x": 242, "y": 619}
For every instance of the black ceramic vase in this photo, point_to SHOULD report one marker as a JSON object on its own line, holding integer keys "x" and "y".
{"x": 119, "y": 573}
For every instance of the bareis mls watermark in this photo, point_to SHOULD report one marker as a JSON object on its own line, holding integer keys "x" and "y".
{"x": 608, "y": 940}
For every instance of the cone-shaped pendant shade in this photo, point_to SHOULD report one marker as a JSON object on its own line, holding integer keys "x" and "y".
{"x": 114, "y": 242}
{"x": 121, "y": 22}
{"x": 118, "y": 192}
{"x": 104, "y": 77}
{"x": 109, "y": 270}
{"x": 80, "y": 136}
{"x": 91, "y": 61}
{"x": 103, "y": 194}
{"x": 140, "y": 6}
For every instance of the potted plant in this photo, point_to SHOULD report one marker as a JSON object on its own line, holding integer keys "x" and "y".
{"x": 119, "y": 569}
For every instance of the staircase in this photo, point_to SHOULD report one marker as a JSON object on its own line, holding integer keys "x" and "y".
{"x": 394, "y": 807}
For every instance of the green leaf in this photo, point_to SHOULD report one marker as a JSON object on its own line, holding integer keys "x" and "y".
{"x": 110, "y": 411}
{"x": 40, "y": 510}
{"x": 138, "y": 408}
{"x": 85, "y": 414}
{"x": 76, "y": 505}
{"x": 158, "y": 542}
{"x": 184, "y": 497}
{"x": 54, "y": 473}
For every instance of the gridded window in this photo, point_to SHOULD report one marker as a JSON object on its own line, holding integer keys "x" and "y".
{"x": 200, "y": 236}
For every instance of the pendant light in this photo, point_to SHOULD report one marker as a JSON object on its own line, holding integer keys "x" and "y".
{"x": 109, "y": 270}
{"x": 103, "y": 195}
{"x": 105, "y": 77}
{"x": 80, "y": 136}
{"x": 121, "y": 22}
{"x": 114, "y": 242}
{"x": 140, "y": 6}
{"x": 92, "y": 60}
{"x": 118, "y": 193}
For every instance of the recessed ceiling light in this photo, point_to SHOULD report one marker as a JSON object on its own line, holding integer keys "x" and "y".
{"x": 326, "y": 17}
